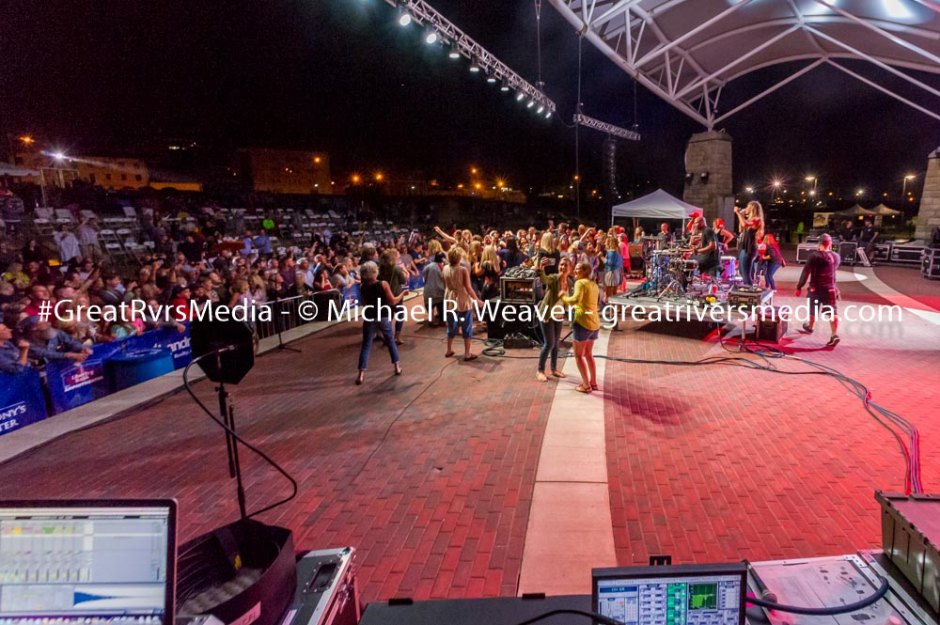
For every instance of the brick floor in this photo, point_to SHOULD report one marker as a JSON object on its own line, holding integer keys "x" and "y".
{"x": 719, "y": 463}
{"x": 429, "y": 475}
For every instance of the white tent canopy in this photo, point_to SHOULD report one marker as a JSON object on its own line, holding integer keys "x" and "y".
{"x": 656, "y": 205}
{"x": 885, "y": 211}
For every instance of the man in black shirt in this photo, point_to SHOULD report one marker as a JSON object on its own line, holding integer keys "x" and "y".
{"x": 707, "y": 253}
{"x": 846, "y": 233}
{"x": 867, "y": 239}
{"x": 820, "y": 272}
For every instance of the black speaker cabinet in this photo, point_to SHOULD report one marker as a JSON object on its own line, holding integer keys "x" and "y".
{"x": 235, "y": 337}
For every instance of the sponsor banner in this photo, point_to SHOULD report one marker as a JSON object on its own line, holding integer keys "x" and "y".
{"x": 21, "y": 400}
{"x": 72, "y": 385}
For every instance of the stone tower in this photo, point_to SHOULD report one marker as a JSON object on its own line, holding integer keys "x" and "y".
{"x": 929, "y": 214}
{"x": 708, "y": 152}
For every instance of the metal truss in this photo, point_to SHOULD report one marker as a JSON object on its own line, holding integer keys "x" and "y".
{"x": 424, "y": 14}
{"x": 596, "y": 124}
{"x": 632, "y": 33}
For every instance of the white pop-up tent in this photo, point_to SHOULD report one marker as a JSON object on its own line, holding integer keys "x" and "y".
{"x": 656, "y": 205}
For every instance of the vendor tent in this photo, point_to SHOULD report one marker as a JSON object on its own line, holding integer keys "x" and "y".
{"x": 656, "y": 205}
{"x": 884, "y": 211}
{"x": 856, "y": 211}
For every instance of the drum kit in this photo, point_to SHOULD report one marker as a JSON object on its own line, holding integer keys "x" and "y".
{"x": 673, "y": 272}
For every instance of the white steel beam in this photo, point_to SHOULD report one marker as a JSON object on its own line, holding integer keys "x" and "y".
{"x": 747, "y": 55}
{"x": 872, "y": 83}
{"x": 877, "y": 62}
{"x": 872, "y": 27}
{"x": 770, "y": 90}
{"x": 690, "y": 33}
{"x": 621, "y": 62}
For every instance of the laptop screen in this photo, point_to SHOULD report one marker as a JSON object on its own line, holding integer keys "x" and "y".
{"x": 672, "y": 595}
{"x": 95, "y": 563}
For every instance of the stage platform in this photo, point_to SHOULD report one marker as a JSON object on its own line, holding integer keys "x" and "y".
{"x": 451, "y": 479}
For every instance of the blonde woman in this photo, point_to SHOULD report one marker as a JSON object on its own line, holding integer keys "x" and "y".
{"x": 547, "y": 257}
{"x": 551, "y": 313}
{"x": 458, "y": 300}
{"x": 586, "y": 323}
{"x": 490, "y": 266}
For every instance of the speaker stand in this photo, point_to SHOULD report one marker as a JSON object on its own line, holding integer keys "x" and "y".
{"x": 227, "y": 414}
{"x": 282, "y": 347}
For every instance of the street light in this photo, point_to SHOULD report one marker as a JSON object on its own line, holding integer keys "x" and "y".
{"x": 904, "y": 184}
{"x": 815, "y": 181}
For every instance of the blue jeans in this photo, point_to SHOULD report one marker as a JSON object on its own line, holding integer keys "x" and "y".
{"x": 746, "y": 267}
{"x": 769, "y": 276}
{"x": 551, "y": 335}
{"x": 369, "y": 330}
{"x": 400, "y": 323}
{"x": 462, "y": 321}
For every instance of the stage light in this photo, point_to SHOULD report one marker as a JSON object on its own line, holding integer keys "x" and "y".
{"x": 430, "y": 37}
{"x": 504, "y": 87}
{"x": 59, "y": 156}
{"x": 541, "y": 109}
{"x": 520, "y": 96}
{"x": 474, "y": 68}
{"x": 491, "y": 79}
{"x": 454, "y": 54}
{"x": 548, "y": 115}
{"x": 530, "y": 104}
{"x": 405, "y": 19}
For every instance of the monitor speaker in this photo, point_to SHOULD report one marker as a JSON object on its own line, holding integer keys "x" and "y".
{"x": 235, "y": 337}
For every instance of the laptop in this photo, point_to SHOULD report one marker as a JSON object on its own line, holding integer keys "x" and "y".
{"x": 707, "y": 594}
{"x": 88, "y": 562}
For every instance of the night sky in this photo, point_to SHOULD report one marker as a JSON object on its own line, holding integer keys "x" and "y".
{"x": 342, "y": 76}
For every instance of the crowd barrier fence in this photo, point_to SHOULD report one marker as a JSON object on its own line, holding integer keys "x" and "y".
{"x": 62, "y": 385}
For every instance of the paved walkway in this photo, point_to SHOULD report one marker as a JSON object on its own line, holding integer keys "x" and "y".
{"x": 438, "y": 476}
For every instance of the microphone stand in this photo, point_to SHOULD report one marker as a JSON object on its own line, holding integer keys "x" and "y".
{"x": 227, "y": 413}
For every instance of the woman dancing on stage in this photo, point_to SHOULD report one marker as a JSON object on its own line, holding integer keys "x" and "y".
{"x": 378, "y": 302}
{"x": 585, "y": 324}
{"x": 457, "y": 289}
{"x": 551, "y": 312}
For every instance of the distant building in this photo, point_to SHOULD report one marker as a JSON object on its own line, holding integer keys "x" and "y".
{"x": 111, "y": 172}
{"x": 286, "y": 171}
{"x": 103, "y": 171}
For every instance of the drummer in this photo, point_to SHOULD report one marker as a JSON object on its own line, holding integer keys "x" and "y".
{"x": 665, "y": 238}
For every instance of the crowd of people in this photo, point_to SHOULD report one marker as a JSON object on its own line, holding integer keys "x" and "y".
{"x": 578, "y": 268}
{"x": 199, "y": 261}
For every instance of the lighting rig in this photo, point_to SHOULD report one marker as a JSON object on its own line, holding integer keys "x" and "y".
{"x": 596, "y": 124}
{"x": 439, "y": 30}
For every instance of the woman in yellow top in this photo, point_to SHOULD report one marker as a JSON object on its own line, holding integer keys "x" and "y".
{"x": 585, "y": 324}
